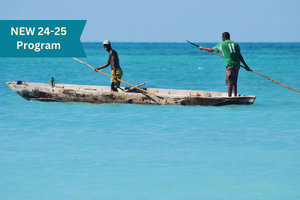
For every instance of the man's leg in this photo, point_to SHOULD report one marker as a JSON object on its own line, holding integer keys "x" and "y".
{"x": 229, "y": 90}
{"x": 231, "y": 80}
{"x": 235, "y": 79}
{"x": 112, "y": 87}
{"x": 234, "y": 87}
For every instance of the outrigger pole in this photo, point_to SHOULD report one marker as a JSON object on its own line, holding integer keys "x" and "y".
{"x": 252, "y": 71}
{"x": 118, "y": 79}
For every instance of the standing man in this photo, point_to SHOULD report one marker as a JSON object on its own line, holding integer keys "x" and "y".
{"x": 232, "y": 57}
{"x": 113, "y": 61}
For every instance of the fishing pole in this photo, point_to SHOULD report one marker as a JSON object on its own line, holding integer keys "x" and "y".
{"x": 210, "y": 52}
{"x": 118, "y": 79}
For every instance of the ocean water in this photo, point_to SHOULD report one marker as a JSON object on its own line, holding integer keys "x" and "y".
{"x": 53, "y": 150}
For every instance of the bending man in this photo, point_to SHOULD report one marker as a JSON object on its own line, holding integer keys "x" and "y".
{"x": 232, "y": 57}
{"x": 113, "y": 61}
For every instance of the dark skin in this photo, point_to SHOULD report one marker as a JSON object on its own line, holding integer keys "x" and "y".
{"x": 113, "y": 60}
{"x": 230, "y": 86}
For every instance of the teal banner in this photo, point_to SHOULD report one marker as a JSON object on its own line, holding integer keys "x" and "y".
{"x": 41, "y": 38}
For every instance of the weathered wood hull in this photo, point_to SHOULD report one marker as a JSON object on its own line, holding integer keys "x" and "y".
{"x": 102, "y": 94}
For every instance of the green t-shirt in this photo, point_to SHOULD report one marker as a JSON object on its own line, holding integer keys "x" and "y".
{"x": 230, "y": 51}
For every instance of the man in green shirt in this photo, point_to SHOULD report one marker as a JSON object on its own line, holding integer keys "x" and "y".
{"x": 232, "y": 57}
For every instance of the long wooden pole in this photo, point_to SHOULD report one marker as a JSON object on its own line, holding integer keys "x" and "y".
{"x": 118, "y": 79}
{"x": 136, "y": 86}
{"x": 253, "y": 71}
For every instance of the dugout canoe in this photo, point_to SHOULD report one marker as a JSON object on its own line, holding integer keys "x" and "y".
{"x": 102, "y": 94}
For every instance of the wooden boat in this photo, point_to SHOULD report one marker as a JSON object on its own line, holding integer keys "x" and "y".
{"x": 102, "y": 94}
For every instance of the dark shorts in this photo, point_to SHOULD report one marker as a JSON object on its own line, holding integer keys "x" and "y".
{"x": 231, "y": 76}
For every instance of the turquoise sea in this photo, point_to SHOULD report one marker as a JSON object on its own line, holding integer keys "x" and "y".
{"x": 70, "y": 151}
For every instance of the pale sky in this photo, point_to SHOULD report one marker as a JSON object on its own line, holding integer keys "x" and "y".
{"x": 167, "y": 20}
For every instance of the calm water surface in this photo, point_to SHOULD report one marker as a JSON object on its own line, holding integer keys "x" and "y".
{"x": 125, "y": 151}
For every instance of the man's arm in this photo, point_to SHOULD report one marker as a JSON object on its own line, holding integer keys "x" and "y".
{"x": 105, "y": 65}
{"x": 243, "y": 61}
{"x": 206, "y": 49}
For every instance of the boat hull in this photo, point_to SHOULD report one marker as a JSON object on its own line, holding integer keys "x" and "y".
{"x": 102, "y": 94}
